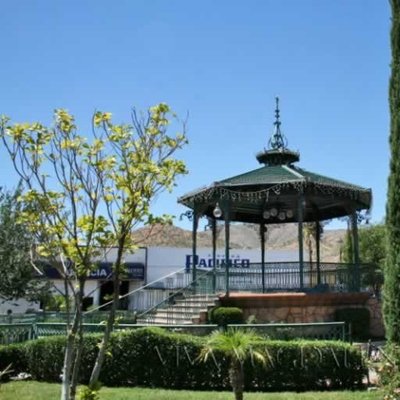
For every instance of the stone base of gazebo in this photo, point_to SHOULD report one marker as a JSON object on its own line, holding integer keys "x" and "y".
{"x": 304, "y": 307}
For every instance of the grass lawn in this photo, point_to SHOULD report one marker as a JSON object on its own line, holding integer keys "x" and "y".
{"x": 46, "y": 391}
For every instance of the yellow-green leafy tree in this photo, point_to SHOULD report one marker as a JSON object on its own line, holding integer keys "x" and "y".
{"x": 85, "y": 195}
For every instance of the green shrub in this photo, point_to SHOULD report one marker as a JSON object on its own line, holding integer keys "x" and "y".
{"x": 153, "y": 357}
{"x": 359, "y": 318}
{"x": 85, "y": 393}
{"x": 389, "y": 371}
{"x": 308, "y": 365}
{"x": 45, "y": 357}
{"x": 227, "y": 315}
{"x": 15, "y": 355}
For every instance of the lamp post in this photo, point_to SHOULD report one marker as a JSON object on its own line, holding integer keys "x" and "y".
{"x": 263, "y": 230}
{"x": 300, "y": 217}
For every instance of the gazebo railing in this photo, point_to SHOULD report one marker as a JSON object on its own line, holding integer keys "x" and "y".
{"x": 285, "y": 276}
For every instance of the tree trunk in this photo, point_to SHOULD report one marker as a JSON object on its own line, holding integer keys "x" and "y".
{"x": 67, "y": 303}
{"x": 70, "y": 351}
{"x": 94, "y": 378}
{"x": 78, "y": 345}
{"x": 236, "y": 376}
{"x": 66, "y": 372}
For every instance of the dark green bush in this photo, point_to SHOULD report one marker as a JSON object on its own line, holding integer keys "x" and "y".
{"x": 307, "y": 365}
{"x": 15, "y": 355}
{"x": 45, "y": 357}
{"x": 153, "y": 357}
{"x": 226, "y": 315}
{"x": 389, "y": 371}
{"x": 359, "y": 318}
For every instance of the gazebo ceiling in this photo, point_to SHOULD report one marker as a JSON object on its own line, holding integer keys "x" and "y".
{"x": 273, "y": 193}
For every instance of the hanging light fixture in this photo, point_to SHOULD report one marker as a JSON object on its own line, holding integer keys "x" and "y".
{"x": 266, "y": 214}
{"x": 282, "y": 216}
{"x": 274, "y": 212}
{"x": 217, "y": 212}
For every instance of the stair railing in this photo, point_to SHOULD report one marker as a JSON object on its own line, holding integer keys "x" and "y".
{"x": 152, "y": 293}
{"x": 194, "y": 295}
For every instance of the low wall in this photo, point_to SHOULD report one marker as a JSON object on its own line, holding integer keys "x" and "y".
{"x": 304, "y": 307}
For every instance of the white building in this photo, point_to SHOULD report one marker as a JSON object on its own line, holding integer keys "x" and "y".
{"x": 158, "y": 267}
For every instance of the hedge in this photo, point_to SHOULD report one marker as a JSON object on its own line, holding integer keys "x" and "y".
{"x": 15, "y": 355}
{"x": 152, "y": 357}
{"x": 226, "y": 315}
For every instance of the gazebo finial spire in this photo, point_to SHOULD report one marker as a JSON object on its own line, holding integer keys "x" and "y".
{"x": 278, "y": 140}
{"x": 277, "y": 122}
{"x": 277, "y": 152}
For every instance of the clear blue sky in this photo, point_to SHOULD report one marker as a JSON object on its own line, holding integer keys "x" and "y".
{"x": 221, "y": 61}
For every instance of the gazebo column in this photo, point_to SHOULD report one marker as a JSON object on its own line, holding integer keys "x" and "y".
{"x": 356, "y": 256}
{"x": 318, "y": 251}
{"x": 300, "y": 237}
{"x": 194, "y": 247}
{"x": 214, "y": 253}
{"x": 227, "y": 254}
{"x": 263, "y": 229}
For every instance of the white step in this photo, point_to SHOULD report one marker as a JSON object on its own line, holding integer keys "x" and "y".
{"x": 191, "y": 308}
{"x": 182, "y": 311}
{"x": 165, "y": 321}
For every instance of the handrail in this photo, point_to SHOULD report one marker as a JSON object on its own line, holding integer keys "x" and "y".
{"x": 279, "y": 264}
{"x": 173, "y": 294}
{"x": 135, "y": 290}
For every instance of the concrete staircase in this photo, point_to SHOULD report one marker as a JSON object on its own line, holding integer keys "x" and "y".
{"x": 191, "y": 309}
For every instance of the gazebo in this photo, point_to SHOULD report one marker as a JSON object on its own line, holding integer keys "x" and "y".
{"x": 280, "y": 192}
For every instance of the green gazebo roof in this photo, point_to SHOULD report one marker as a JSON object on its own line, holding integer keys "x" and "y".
{"x": 278, "y": 185}
{"x": 276, "y": 174}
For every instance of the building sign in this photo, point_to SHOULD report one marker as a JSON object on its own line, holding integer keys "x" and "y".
{"x": 132, "y": 270}
{"x": 134, "y": 266}
{"x": 162, "y": 261}
{"x": 236, "y": 261}
{"x": 104, "y": 271}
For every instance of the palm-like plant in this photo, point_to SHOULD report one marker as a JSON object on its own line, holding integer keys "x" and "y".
{"x": 237, "y": 345}
{"x": 310, "y": 230}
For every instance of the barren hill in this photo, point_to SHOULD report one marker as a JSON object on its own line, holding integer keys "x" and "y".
{"x": 243, "y": 236}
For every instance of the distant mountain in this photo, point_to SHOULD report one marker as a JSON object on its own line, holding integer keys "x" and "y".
{"x": 242, "y": 236}
{"x": 172, "y": 236}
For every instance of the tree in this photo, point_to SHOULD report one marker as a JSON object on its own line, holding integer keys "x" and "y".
{"x": 391, "y": 306}
{"x": 16, "y": 242}
{"x": 372, "y": 245}
{"x": 372, "y": 251}
{"x": 310, "y": 238}
{"x": 372, "y": 248}
{"x": 237, "y": 345}
{"x": 346, "y": 250}
{"x": 145, "y": 169}
{"x": 84, "y": 196}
